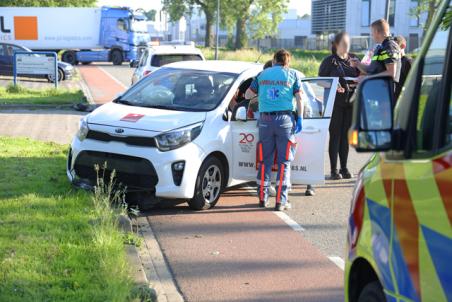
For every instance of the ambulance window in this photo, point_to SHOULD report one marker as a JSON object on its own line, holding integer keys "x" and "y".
{"x": 432, "y": 81}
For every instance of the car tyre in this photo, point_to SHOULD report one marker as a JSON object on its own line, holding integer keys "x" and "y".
{"x": 116, "y": 57}
{"x": 51, "y": 79}
{"x": 209, "y": 185}
{"x": 372, "y": 292}
{"x": 69, "y": 57}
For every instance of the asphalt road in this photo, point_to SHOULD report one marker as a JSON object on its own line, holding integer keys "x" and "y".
{"x": 324, "y": 216}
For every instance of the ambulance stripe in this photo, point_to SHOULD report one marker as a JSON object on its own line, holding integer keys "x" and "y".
{"x": 442, "y": 167}
{"x": 407, "y": 226}
{"x": 261, "y": 192}
{"x": 440, "y": 248}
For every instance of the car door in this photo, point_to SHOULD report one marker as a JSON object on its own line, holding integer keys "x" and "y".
{"x": 308, "y": 165}
{"x": 420, "y": 200}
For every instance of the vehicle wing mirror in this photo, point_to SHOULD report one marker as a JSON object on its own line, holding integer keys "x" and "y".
{"x": 133, "y": 64}
{"x": 240, "y": 115}
{"x": 372, "y": 125}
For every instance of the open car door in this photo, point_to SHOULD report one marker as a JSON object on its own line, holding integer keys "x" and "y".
{"x": 308, "y": 167}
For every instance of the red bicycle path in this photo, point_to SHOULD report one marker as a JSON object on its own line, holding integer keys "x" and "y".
{"x": 102, "y": 86}
{"x": 240, "y": 252}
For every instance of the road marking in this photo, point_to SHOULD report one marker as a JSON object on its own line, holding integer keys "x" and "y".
{"x": 298, "y": 228}
{"x": 290, "y": 222}
{"x": 338, "y": 261}
{"x": 113, "y": 78}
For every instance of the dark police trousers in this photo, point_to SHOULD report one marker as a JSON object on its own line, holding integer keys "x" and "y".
{"x": 276, "y": 134}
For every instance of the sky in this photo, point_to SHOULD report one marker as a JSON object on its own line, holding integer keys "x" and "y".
{"x": 303, "y": 6}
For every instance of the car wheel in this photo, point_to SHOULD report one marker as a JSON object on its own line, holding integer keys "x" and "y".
{"x": 51, "y": 77}
{"x": 116, "y": 57}
{"x": 209, "y": 185}
{"x": 69, "y": 57}
{"x": 372, "y": 292}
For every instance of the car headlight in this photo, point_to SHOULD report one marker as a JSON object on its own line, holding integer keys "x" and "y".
{"x": 82, "y": 129}
{"x": 175, "y": 139}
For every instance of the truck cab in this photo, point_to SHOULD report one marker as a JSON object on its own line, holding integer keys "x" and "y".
{"x": 123, "y": 34}
{"x": 399, "y": 229}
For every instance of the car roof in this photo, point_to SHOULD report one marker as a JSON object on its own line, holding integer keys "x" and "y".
{"x": 174, "y": 49}
{"x": 237, "y": 67}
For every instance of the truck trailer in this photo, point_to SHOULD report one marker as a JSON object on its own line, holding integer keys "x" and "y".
{"x": 84, "y": 35}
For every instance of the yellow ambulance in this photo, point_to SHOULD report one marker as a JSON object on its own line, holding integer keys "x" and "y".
{"x": 399, "y": 245}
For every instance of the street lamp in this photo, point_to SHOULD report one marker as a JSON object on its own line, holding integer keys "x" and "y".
{"x": 388, "y": 5}
{"x": 217, "y": 38}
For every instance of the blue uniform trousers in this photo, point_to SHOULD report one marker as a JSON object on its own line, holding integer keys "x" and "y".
{"x": 276, "y": 139}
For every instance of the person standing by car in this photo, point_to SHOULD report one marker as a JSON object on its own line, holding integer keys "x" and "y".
{"x": 276, "y": 87}
{"x": 406, "y": 65}
{"x": 386, "y": 58}
{"x": 338, "y": 64}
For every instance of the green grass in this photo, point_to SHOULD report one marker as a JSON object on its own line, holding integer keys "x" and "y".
{"x": 306, "y": 61}
{"x": 50, "y": 96}
{"x": 56, "y": 244}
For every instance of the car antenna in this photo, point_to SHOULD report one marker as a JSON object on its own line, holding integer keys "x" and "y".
{"x": 258, "y": 58}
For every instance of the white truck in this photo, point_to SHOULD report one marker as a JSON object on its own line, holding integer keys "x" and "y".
{"x": 85, "y": 35}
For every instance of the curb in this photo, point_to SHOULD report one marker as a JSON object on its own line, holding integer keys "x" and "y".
{"x": 142, "y": 289}
{"x": 85, "y": 89}
{"x": 36, "y": 107}
{"x": 155, "y": 266}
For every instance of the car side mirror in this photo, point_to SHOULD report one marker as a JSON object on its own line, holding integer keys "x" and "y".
{"x": 372, "y": 126}
{"x": 133, "y": 64}
{"x": 240, "y": 115}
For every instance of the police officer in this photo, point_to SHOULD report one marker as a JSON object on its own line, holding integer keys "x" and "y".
{"x": 276, "y": 87}
{"x": 386, "y": 58}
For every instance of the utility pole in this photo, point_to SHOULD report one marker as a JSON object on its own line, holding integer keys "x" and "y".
{"x": 388, "y": 6}
{"x": 217, "y": 38}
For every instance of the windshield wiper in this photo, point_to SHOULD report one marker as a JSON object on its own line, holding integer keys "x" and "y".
{"x": 124, "y": 102}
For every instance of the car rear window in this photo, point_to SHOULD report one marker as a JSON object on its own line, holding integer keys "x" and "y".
{"x": 160, "y": 60}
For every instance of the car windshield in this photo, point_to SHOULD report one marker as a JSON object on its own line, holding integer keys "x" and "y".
{"x": 180, "y": 89}
{"x": 139, "y": 25}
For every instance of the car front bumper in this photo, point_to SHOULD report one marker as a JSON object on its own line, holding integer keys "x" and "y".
{"x": 138, "y": 168}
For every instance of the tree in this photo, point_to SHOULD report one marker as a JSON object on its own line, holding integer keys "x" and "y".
{"x": 178, "y": 8}
{"x": 426, "y": 6}
{"x": 48, "y": 3}
{"x": 261, "y": 16}
{"x": 151, "y": 14}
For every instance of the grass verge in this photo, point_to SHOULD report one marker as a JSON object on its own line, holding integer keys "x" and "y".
{"x": 56, "y": 244}
{"x": 49, "y": 96}
{"x": 306, "y": 61}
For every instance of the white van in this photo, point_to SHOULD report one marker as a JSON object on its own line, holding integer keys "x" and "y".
{"x": 157, "y": 56}
{"x": 173, "y": 134}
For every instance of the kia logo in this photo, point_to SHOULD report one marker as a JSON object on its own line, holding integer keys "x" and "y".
{"x": 119, "y": 130}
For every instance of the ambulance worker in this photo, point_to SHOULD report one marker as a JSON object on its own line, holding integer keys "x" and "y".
{"x": 338, "y": 64}
{"x": 276, "y": 87}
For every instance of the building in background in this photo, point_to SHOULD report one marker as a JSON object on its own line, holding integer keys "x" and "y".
{"x": 355, "y": 17}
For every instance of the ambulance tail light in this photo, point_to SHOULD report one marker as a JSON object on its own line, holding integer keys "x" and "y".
{"x": 356, "y": 216}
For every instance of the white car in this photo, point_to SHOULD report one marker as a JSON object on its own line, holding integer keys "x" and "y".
{"x": 172, "y": 134}
{"x": 158, "y": 56}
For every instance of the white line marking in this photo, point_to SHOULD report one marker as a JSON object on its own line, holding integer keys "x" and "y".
{"x": 298, "y": 228}
{"x": 113, "y": 78}
{"x": 338, "y": 261}
{"x": 290, "y": 222}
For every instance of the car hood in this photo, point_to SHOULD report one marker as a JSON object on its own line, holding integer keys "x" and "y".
{"x": 149, "y": 119}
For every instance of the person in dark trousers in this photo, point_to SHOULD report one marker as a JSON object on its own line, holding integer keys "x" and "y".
{"x": 338, "y": 65}
{"x": 276, "y": 87}
{"x": 406, "y": 61}
{"x": 386, "y": 58}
